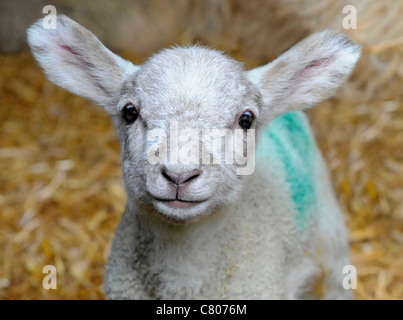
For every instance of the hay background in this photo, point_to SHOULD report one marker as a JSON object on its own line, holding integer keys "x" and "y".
{"x": 60, "y": 180}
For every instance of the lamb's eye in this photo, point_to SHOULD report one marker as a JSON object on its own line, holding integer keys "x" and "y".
{"x": 245, "y": 120}
{"x": 129, "y": 113}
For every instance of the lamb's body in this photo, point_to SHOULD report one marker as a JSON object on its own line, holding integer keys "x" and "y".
{"x": 206, "y": 230}
{"x": 284, "y": 237}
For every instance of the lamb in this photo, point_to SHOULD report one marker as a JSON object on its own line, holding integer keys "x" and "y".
{"x": 204, "y": 231}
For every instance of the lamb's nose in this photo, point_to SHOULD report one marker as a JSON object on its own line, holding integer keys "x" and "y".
{"x": 180, "y": 178}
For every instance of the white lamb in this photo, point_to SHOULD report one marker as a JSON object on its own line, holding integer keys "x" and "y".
{"x": 202, "y": 231}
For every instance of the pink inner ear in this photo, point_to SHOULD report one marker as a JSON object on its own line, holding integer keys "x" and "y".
{"x": 67, "y": 48}
{"x": 314, "y": 67}
{"x": 311, "y": 70}
{"x": 319, "y": 63}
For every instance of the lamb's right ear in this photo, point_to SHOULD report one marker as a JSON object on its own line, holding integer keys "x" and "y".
{"x": 73, "y": 58}
{"x": 308, "y": 73}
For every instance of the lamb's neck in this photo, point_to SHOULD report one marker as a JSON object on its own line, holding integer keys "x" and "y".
{"x": 173, "y": 254}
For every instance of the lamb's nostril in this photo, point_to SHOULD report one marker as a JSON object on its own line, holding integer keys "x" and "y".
{"x": 188, "y": 176}
{"x": 180, "y": 178}
{"x": 170, "y": 176}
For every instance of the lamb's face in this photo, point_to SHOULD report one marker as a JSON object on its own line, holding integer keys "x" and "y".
{"x": 177, "y": 93}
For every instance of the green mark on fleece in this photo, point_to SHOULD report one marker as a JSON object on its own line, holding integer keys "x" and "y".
{"x": 288, "y": 140}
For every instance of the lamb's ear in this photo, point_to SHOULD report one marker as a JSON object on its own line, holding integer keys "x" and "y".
{"x": 73, "y": 58}
{"x": 308, "y": 73}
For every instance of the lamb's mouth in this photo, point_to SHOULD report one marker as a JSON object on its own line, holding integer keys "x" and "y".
{"x": 180, "y": 204}
{"x": 181, "y": 212}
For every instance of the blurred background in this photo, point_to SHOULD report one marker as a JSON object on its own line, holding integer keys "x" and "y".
{"x": 61, "y": 194}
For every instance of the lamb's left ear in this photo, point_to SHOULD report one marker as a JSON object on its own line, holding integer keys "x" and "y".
{"x": 73, "y": 58}
{"x": 308, "y": 73}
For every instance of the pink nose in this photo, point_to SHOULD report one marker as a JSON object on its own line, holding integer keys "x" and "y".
{"x": 180, "y": 178}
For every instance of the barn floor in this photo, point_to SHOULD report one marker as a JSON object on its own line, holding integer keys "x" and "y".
{"x": 61, "y": 194}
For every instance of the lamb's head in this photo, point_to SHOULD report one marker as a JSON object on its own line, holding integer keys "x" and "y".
{"x": 187, "y": 118}
{"x": 177, "y": 102}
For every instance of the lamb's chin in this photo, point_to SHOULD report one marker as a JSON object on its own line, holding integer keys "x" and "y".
{"x": 182, "y": 212}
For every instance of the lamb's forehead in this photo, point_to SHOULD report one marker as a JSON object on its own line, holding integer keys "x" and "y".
{"x": 185, "y": 77}
{"x": 184, "y": 64}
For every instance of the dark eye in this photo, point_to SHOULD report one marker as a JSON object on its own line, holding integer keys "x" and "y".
{"x": 245, "y": 120}
{"x": 129, "y": 113}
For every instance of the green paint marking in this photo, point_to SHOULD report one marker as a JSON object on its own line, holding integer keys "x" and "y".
{"x": 287, "y": 141}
